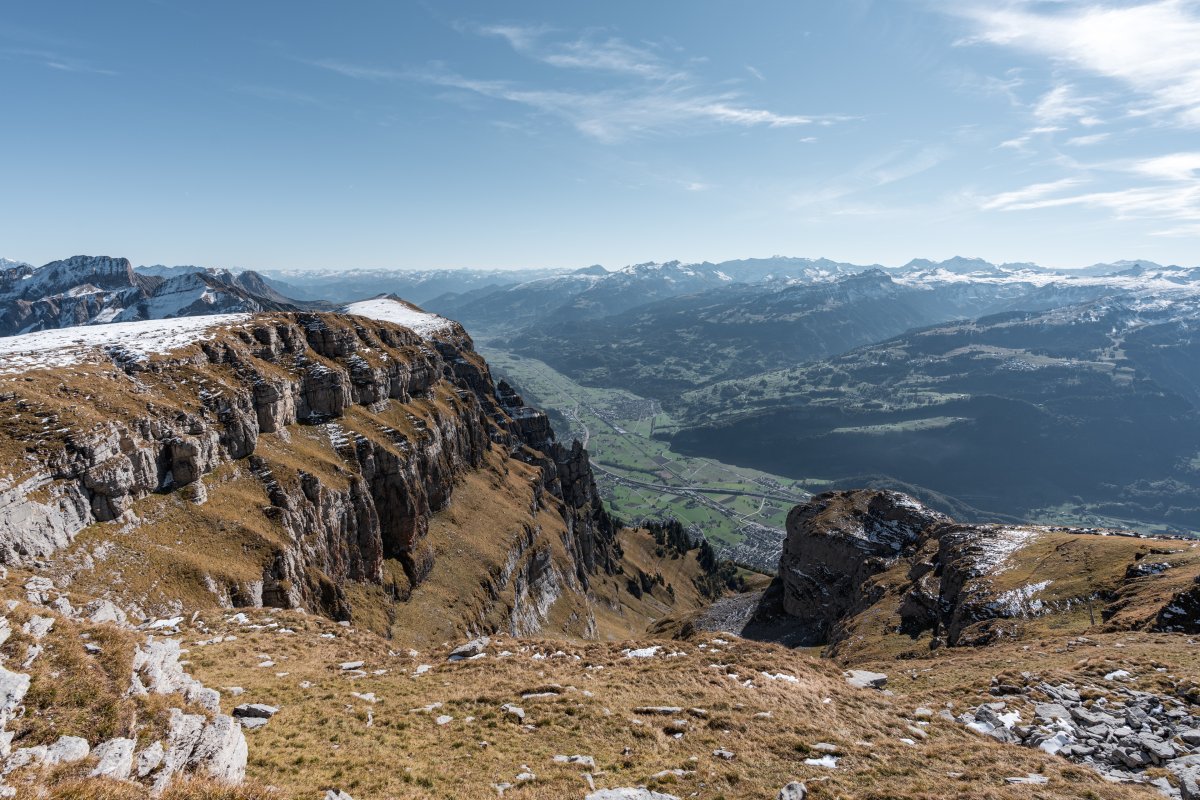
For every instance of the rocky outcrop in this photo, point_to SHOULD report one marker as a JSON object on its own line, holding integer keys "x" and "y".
{"x": 835, "y": 544}
{"x": 1182, "y": 612}
{"x": 862, "y": 564}
{"x": 1123, "y": 736}
{"x": 405, "y": 416}
{"x": 209, "y": 744}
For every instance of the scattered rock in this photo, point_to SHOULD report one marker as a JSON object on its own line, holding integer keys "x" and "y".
{"x": 581, "y": 761}
{"x": 100, "y": 611}
{"x": 645, "y": 652}
{"x": 149, "y": 759}
{"x": 255, "y": 710}
{"x": 627, "y": 793}
{"x": 793, "y": 791}
{"x": 1031, "y": 779}
{"x": 469, "y": 649}
{"x": 864, "y": 679}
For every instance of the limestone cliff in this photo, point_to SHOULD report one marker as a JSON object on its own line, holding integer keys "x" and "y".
{"x": 290, "y": 458}
{"x": 877, "y": 572}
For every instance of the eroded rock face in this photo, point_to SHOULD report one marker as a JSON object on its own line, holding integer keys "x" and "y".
{"x": 848, "y": 553}
{"x": 835, "y": 543}
{"x": 1182, "y": 613}
{"x": 425, "y": 413}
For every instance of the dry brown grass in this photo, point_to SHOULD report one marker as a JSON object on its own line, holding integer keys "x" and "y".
{"x": 325, "y": 737}
{"x": 184, "y": 789}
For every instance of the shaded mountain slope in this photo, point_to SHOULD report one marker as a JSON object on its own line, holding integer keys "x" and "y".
{"x": 1093, "y": 406}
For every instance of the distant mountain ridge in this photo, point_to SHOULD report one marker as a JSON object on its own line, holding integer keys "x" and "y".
{"x": 87, "y": 290}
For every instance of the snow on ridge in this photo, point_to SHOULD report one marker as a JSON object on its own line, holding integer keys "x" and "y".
{"x": 383, "y": 309}
{"x": 64, "y": 347}
{"x": 1003, "y": 542}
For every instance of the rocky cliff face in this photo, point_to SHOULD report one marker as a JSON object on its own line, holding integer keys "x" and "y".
{"x": 835, "y": 544}
{"x": 352, "y": 432}
{"x": 877, "y": 570}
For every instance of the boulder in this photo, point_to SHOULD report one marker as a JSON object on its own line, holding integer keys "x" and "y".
{"x": 793, "y": 791}
{"x": 469, "y": 649}
{"x": 1187, "y": 772}
{"x": 99, "y": 611}
{"x": 13, "y": 687}
{"x": 221, "y": 750}
{"x": 627, "y": 793}
{"x": 114, "y": 759}
{"x": 67, "y": 750}
{"x": 865, "y": 679}
{"x": 149, "y": 759}
{"x": 258, "y": 710}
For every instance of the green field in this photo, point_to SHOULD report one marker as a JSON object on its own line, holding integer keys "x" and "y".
{"x": 741, "y": 510}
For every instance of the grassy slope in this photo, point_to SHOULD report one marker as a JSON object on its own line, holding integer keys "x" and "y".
{"x": 326, "y": 737}
{"x": 1076, "y": 565}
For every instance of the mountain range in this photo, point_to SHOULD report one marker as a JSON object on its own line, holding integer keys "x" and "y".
{"x": 258, "y": 554}
{"x": 87, "y": 290}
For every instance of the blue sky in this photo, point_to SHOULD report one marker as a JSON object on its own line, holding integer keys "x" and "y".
{"x": 445, "y": 134}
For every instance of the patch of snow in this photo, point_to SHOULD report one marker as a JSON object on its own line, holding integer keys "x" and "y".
{"x": 1003, "y": 543}
{"x": 645, "y": 652}
{"x": 1021, "y": 601}
{"x": 420, "y": 322}
{"x": 781, "y": 676}
{"x": 64, "y": 347}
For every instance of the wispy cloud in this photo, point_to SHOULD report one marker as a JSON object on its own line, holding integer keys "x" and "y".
{"x": 1029, "y": 196}
{"x": 53, "y": 60}
{"x": 1172, "y": 197}
{"x": 1063, "y": 104}
{"x": 647, "y": 91}
{"x": 1149, "y": 47}
{"x": 875, "y": 173}
{"x": 1088, "y": 140}
{"x": 1140, "y": 63}
{"x": 616, "y": 114}
{"x": 360, "y": 71}
{"x": 604, "y": 54}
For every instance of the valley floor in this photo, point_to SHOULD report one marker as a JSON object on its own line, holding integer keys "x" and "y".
{"x": 740, "y": 510}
